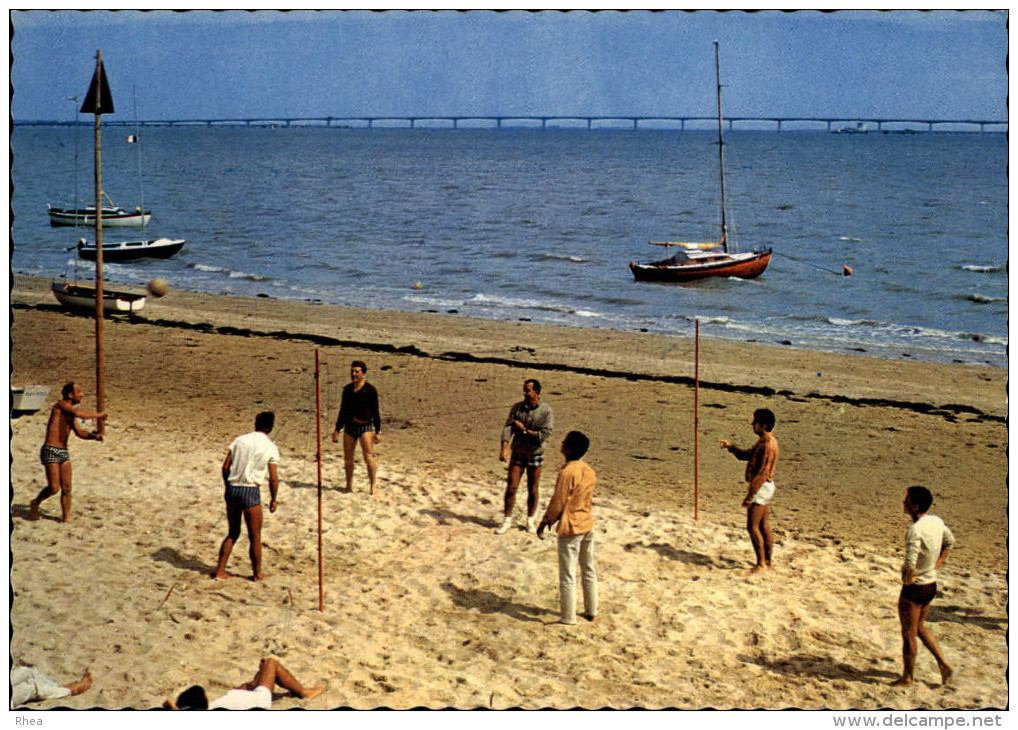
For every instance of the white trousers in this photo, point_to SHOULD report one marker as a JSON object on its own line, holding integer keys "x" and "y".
{"x": 573, "y": 550}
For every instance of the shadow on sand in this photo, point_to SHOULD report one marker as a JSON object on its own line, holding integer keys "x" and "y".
{"x": 488, "y": 602}
{"x": 963, "y": 615}
{"x": 21, "y": 511}
{"x": 442, "y": 517}
{"x": 815, "y": 665}
{"x": 184, "y": 562}
{"x": 685, "y": 556}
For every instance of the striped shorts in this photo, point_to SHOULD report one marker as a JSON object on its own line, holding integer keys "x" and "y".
{"x": 532, "y": 461}
{"x": 243, "y": 497}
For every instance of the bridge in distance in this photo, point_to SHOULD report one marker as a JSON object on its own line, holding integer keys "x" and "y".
{"x": 829, "y": 124}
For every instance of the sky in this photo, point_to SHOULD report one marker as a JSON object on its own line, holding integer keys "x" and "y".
{"x": 902, "y": 64}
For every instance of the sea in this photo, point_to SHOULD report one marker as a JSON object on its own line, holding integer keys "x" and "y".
{"x": 540, "y": 225}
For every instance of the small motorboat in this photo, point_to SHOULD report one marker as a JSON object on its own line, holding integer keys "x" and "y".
{"x": 81, "y": 298}
{"x": 156, "y": 248}
{"x": 112, "y": 215}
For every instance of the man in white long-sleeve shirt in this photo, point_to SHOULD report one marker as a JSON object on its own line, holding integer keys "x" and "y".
{"x": 926, "y": 546}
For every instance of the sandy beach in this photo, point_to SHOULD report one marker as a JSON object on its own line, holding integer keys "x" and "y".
{"x": 424, "y": 605}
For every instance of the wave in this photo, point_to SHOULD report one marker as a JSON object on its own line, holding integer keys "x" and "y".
{"x": 985, "y": 339}
{"x": 231, "y": 273}
{"x": 497, "y": 302}
{"x": 851, "y": 239}
{"x": 560, "y": 257}
{"x": 848, "y": 322}
{"x": 981, "y": 299}
{"x": 980, "y": 268}
{"x": 900, "y": 330}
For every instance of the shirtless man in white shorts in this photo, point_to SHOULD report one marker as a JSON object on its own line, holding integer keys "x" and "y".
{"x": 761, "y": 459}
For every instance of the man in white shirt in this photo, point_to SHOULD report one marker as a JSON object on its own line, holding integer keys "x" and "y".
{"x": 250, "y": 463}
{"x": 926, "y": 546}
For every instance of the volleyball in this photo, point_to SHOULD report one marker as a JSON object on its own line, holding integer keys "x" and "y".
{"x": 158, "y": 287}
{"x": 418, "y": 285}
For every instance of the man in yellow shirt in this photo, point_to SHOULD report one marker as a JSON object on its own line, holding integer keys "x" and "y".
{"x": 570, "y": 506}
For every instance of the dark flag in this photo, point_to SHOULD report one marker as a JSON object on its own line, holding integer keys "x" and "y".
{"x": 104, "y": 103}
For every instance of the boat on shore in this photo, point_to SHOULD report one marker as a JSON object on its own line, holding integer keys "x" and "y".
{"x": 28, "y": 398}
{"x": 695, "y": 261}
{"x": 81, "y": 298}
{"x": 117, "y": 251}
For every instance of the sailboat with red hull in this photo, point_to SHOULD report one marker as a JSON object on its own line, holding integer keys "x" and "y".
{"x": 694, "y": 261}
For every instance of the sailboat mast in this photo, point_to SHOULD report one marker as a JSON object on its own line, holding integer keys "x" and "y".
{"x": 137, "y": 141}
{"x": 100, "y": 367}
{"x": 721, "y": 149}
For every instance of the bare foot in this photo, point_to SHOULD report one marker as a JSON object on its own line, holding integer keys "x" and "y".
{"x": 903, "y": 682}
{"x": 311, "y": 693}
{"x": 758, "y": 569}
{"x": 260, "y": 577}
{"x": 560, "y": 623}
{"x": 33, "y": 510}
{"x": 81, "y": 685}
{"x": 220, "y": 575}
{"x": 946, "y": 672}
{"x": 592, "y": 619}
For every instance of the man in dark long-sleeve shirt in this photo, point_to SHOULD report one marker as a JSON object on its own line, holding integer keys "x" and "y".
{"x": 527, "y": 429}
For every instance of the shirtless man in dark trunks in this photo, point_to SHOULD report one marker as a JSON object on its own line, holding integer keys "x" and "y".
{"x": 54, "y": 456}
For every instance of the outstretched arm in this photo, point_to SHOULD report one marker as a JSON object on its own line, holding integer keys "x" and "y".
{"x": 72, "y": 414}
{"x": 740, "y": 454}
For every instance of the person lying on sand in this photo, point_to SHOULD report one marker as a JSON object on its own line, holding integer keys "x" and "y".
{"x": 56, "y": 460}
{"x": 761, "y": 459}
{"x": 250, "y": 463}
{"x": 927, "y": 543}
{"x": 31, "y": 685}
{"x": 253, "y": 695}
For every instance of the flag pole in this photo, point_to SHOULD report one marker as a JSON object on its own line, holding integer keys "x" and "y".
{"x": 318, "y": 432}
{"x": 696, "y": 426}
{"x": 100, "y": 360}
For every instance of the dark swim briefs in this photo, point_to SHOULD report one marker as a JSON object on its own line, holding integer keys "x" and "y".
{"x": 53, "y": 455}
{"x": 919, "y": 593}
{"x": 243, "y": 497}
